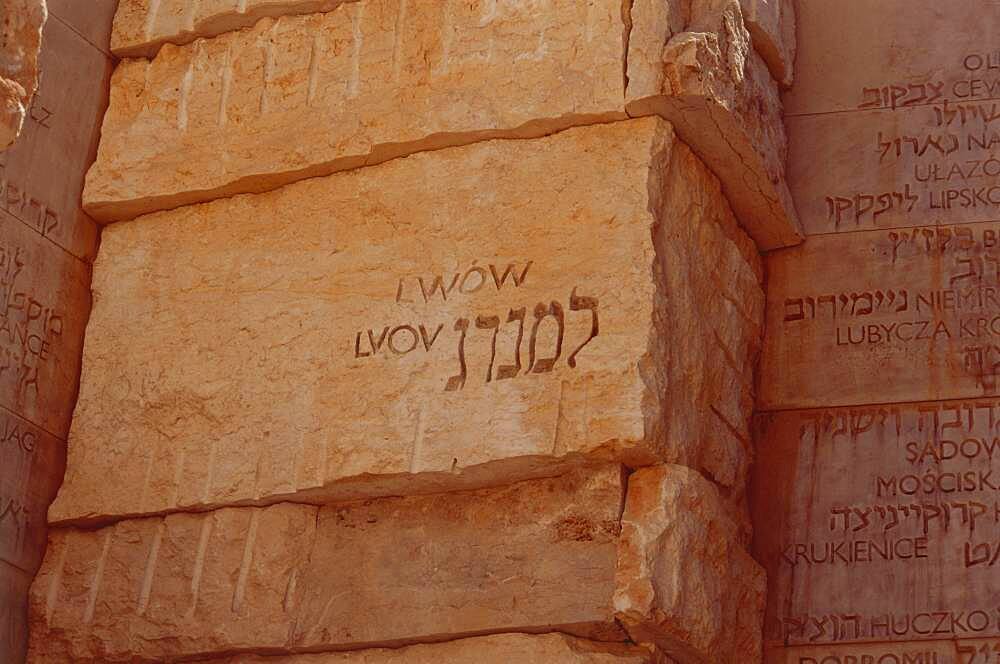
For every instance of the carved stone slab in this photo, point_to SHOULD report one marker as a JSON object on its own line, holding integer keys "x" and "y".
{"x": 42, "y": 174}
{"x": 33, "y": 462}
{"x": 296, "y": 576}
{"x": 882, "y": 140}
{"x": 375, "y": 80}
{"x": 880, "y": 524}
{"x": 883, "y": 316}
{"x": 443, "y": 321}
{"x": 45, "y": 296}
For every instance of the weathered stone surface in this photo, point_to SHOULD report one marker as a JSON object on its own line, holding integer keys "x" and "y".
{"x": 711, "y": 84}
{"x": 91, "y": 20}
{"x": 21, "y": 24}
{"x": 685, "y": 579}
{"x": 32, "y": 463}
{"x": 535, "y": 556}
{"x": 363, "y": 83}
{"x": 889, "y": 128}
{"x": 143, "y": 26}
{"x": 14, "y": 585}
{"x": 45, "y": 241}
{"x": 500, "y": 649}
{"x": 903, "y": 497}
{"x": 917, "y": 305}
{"x": 772, "y": 26}
{"x": 370, "y": 81}
{"x": 847, "y": 46}
{"x": 45, "y": 296}
{"x": 42, "y": 174}
{"x": 637, "y": 254}
{"x": 959, "y": 651}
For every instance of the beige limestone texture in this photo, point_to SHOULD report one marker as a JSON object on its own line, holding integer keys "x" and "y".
{"x": 142, "y": 26}
{"x": 531, "y": 557}
{"x": 772, "y": 26}
{"x": 685, "y": 581}
{"x": 21, "y": 23}
{"x": 254, "y": 348}
{"x": 716, "y": 90}
{"x": 374, "y": 80}
{"x": 499, "y": 649}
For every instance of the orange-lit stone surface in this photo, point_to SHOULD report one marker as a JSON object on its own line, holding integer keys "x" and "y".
{"x": 875, "y": 490}
{"x": 481, "y": 352}
{"x": 46, "y": 242}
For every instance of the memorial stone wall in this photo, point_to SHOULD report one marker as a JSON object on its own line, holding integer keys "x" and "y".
{"x": 875, "y": 484}
{"x": 421, "y": 331}
{"x": 47, "y": 245}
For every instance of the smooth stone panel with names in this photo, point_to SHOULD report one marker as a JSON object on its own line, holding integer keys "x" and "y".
{"x": 92, "y": 20}
{"x": 14, "y": 584}
{"x": 962, "y": 651}
{"x": 847, "y": 46}
{"x": 45, "y": 297}
{"x": 42, "y": 174}
{"x": 920, "y": 164}
{"x": 32, "y": 463}
{"x": 883, "y": 316}
{"x": 443, "y": 321}
{"x": 898, "y": 503}
{"x": 531, "y": 557}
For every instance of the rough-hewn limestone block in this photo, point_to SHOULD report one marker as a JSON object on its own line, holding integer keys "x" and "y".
{"x": 715, "y": 89}
{"x": 364, "y": 83}
{"x": 143, "y": 26}
{"x": 772, "y": 26}
{"x": 445, "y": 321}
{"x": 21, "y": 24}
{"x": 685, "y": 579}
{"x": 373, "y": 80}
{"x": 499, "y": 649}
{"x": 535, "y": 556}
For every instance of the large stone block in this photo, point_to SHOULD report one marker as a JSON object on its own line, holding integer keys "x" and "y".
{"x": 370, "y": 81}
{"x": 535, "y": 556}
{"x": 500, "y": 649}
{"x": 883, "y": 316}
{"x": 686, "y": 582}
{"x": 904, "y": 497}
{"x": 21, "y": 24}
{"x": 143, "y": 26}
{"x": 716, "y": 90}
{"x": 450, "y": 320}
{"x": 363, "y": 83}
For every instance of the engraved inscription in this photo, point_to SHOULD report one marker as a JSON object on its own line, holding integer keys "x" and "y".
{"x": 898, "y": 494}
{"x": 30, "y": 328}
{"x": 535, "y": 334}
